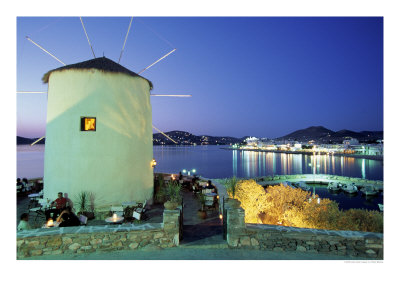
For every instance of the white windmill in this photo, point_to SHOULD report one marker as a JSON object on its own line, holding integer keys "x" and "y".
{"x": 99, "y": 130}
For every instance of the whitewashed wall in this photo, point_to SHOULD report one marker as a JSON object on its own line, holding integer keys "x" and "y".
{"x": 114, "y": 161}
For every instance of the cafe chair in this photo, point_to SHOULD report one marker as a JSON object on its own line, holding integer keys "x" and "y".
{"x": 128, "y": 212}
{"x": 83, "y": 219}
{"x": 210, "y": 202}
{"x": 138, "y": 213}
{"x": 37, "y": 212}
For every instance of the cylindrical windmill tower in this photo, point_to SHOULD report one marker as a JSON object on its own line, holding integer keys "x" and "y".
{"x": 98, "y": 133}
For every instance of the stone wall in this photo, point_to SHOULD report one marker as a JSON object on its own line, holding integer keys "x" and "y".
{"x": 282, "y": 238}
{"x": 83, "y": 239}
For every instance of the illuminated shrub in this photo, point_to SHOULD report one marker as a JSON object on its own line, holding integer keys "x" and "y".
{"x": 361, "y": 220}
{"x": 252, "y": 199}
{"x": 283, "y": 205}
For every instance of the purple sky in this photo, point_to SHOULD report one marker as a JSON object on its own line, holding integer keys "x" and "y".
{"x": 264, "y": 77}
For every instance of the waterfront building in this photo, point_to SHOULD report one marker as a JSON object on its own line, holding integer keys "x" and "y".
{"x": 350, "y": 142}
{"x": 98, "y": 133}
{"x": 252, "y": 141}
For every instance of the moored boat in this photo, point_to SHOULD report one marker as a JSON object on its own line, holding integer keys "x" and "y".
{"x": 289, "y": 184}
{"x": 369, "y": 190}
{"x": 349, "y": 188}
{"x": 334, "y": 186}
{"x": 302, "y": 185}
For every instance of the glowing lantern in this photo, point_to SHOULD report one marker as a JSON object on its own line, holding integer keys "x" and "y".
{"x": 153, "y": 163}
{"x": 115, "y": 217}
{"x": 50, "y": 223}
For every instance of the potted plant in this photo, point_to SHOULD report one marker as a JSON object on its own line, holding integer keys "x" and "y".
{"x": 172, "y": 191}
{"x": 170, "y": 205}
{"x": 86, "y": 204}
{"x": 230, "y": 185}
{"x": 202, "y": 213}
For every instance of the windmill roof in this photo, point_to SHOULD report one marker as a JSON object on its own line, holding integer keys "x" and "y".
{"x": 101, "y": 63}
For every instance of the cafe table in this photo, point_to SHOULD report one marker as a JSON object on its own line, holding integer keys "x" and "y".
{"x": 34, "y": 196}
{"x": 115, "y": 220}
{"x": 211, "y": 194}
{"x": 129, "y": 204}
{"x": 55, "y": 224}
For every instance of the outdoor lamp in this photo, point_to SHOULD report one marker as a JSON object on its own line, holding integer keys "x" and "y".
{"x": 194, "y": 171}
{"x": 50, "y": 223}
{"x": 153, "y": 163}
{"x": 184, "y": 171}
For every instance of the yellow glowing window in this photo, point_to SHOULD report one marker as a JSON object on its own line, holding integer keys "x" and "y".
{"x": 88, "y": 124}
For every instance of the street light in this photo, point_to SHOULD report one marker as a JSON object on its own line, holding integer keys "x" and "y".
{"x": 192, "y": 170}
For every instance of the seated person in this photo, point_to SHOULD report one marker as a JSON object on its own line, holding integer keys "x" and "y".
{"x": 19, "y": 183}
{"x": 23, "y": 224}
{"x": 180, "y": 176}
{"x": 69, "y": 201}
{"x": 210, "y": 186}
{"x": 25, "y": 185}
{"x": 68, "y": 218}
{"x": 195, "y": 186}
{"x": 60, "y": 204}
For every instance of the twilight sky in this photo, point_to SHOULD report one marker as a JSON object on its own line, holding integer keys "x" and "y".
{"x": 263, "y": 77}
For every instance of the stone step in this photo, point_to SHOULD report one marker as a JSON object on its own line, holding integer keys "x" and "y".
{"x": 212, "y": 242}
{"x": 196, "y": 245}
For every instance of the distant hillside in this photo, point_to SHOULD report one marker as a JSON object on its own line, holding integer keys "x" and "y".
{"x": 27, "y": 141}
{"x": 316, "y": 132}
{"x": 323, "y": 135}
{"x": 319, "y": 134}
{"x": 186, "y": 138}
{"x": 181, "y": 137}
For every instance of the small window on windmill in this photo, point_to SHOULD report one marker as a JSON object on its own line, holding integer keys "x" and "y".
{"x": 88, "y": 124}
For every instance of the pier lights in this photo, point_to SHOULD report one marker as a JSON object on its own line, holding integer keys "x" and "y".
{"x": 184, "y": 171}
{"x": 314, "y": 172}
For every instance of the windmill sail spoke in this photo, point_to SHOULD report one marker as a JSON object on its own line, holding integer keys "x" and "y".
{"x": 38, "y": 140}
{"x": 164, "y": 134}
{"x": 30, "y": 92}
{"x": 29, "y": 39}
{"x": 126, "y": 37}
{"x": 87, "y": 37}
{"x": 157, "y": 61}
{"x": 159, "y": 95}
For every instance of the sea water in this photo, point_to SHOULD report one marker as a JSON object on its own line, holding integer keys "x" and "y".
{"x": 216, "y": 162}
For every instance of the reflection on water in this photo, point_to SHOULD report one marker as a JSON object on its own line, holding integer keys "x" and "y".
{"x": 256, "y": 164}
{"x": 214, "y": 162}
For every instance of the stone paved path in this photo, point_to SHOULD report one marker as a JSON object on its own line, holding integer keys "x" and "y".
{"x": 198, "y": 232}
